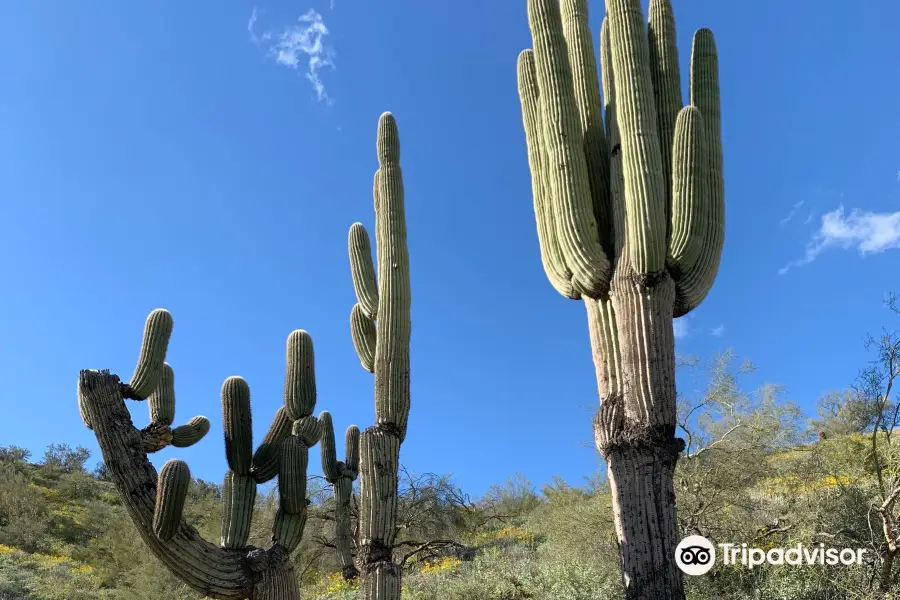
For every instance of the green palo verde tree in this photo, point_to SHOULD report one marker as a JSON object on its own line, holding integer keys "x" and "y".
{"x": 233, "y": 569}
{"x": 383, "y": 299}
{"x": 630, "y": 217}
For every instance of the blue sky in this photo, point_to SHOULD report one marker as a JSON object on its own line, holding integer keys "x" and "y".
{"x": 210, "y": 157}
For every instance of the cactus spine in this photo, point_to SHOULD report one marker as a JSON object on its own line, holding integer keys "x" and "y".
{"x": 233, "y": 570}
{"x": 380, "y": 326}
{"x": 629, "y": 208}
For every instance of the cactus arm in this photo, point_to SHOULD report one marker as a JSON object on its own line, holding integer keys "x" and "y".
{"x": 694, "y": 284}
{"x": 157, "y": 330}
{"x": 361, "y": 268}
{"x": 567, "y": 167}
{"x": 330, "y": 468}
{"x": 211, "y": 570}
{"x": 265, "y": 460}
{"x": 238, "y": 425}
{"x": 300, "y": 380}
{"x": 666, "y": 77}
{"x": 190, "y": 433}
{"x": 364, "y": 336}
{"x": 307, "y": 430}
{"x": 645, "y": 190}
{"x": 351, "y": 449}
{"x": 162, "y": 400}
{"x": 159, "y": 434}
{"x": 616, "y": 176}
{"x": 239, "y": 495}
{"x": 690, "y": 202}
{"x": 577, "y": 33}
{"x": 551, "y": 254}
{"x": 171, "y": 492}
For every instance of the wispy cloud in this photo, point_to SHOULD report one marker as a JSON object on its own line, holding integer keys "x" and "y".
{"x": 868, "y": 232}
{"x": 797, "y": 206}
{"x": 302, "y": 46}
{"x": 680, "y": 328}
{"x": 718, "y": 331}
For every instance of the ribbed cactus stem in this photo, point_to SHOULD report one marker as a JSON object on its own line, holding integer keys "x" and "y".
{"x": 162, "y": 400}
{"x": 190, "y": 433}
{"x": 379, "y": 463}
{"x": 351, "y": 441}
{"x": 690, "y": 206}
{"x": 694, "y": 284}
{"x": 292, "y": 475}
{"x": 362, "y": 270}
{"x": 364, "y": 336}
{"x": 307, "y": 430}
{"x": 157, "y": 331}
{"x": 238, "y": 425}
{"x": 551, "y": 252}
{"x": 392, "y": 346}
{"x": 327, "y": 448}
{"x": 239, "y": 495}
{"x": 343, "y": 491}
{"x": 666, "y": 76}
{"x": 171, "y": 490}
{"x": 577, "y": 33}
{"x": 288, "y": 528}
{"x": 265, "y": 460}
{"x": 645, "y": 186}
{"x": 300, "y": 381}
{"x": 567, "y": 173}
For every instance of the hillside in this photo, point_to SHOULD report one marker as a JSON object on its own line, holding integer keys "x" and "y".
{"x": 65, "y": 536}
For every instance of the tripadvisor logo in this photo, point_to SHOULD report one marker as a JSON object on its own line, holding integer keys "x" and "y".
{"x": 696, "y": 555}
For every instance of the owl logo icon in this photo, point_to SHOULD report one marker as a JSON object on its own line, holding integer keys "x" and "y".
{"x": 695, "y": 555}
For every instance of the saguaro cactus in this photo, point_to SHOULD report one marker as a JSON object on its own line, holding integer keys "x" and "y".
{"x": 234, "y": 569}
{"x": 341, "y": 475}
{"x": 630, "y": 217}
{"x": 385, "y": 352}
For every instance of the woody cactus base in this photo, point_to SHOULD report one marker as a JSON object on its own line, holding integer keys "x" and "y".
{"x": 630, "y": 216}
{"x": 382, "y": 300}
{"x": 233, "y": 569}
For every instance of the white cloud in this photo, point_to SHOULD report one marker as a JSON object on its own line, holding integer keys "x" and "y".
{"x": 718, "y": 331}
{"x": 302, "y": 46}
{"x": 868, "y": 232}
{"x": 793, "y": 212}
{"x": 254, "y": 16}
{"x": 680, "y": 328}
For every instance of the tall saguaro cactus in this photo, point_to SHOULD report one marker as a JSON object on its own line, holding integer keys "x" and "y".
{"x": 383, "y": 300}
{"x": 630, "y": 216}
{"x": 234, "y": 569}
{"x": 341, "y": 475}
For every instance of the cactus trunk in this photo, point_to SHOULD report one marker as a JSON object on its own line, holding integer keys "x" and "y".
{"x": 635, "y": 433}
{"x": 649, "y": 250}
